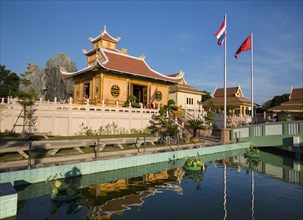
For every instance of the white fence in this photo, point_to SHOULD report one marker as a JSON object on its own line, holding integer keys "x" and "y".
{"x": 65, "y": 119}
{"x": 233, "y": 121}
{"x": 267, "y": 129}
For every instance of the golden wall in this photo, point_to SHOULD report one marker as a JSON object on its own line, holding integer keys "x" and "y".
{"x": 114, "y": 83}
{"x": 112, "y": 88}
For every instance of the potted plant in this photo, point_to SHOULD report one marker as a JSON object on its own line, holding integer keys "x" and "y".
{"x": 195, "y": 125}
{"x": 64, "y": 192}
{"x": 193, "y": 164}
{"x": 132, "y": 99}
{"x": 252, "y": 152}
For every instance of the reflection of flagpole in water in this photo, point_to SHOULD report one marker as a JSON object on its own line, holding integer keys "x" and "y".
{"x": 97, "y": 190}
{"x": 252, "y": 195}
{"x": 224, "y": 187}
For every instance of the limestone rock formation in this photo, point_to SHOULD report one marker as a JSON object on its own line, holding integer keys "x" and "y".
{"x": 48, "y": 83}
{"x": 37, "y": 77}
{"x": 56, "y": 85}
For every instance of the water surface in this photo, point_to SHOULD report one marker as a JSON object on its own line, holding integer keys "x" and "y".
{"x": 231, "y": 187}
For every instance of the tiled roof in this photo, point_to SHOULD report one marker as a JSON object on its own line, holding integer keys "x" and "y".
{"x": 296, "y": 94}
{"x": 294, "y": 107}
{"x": 132, "y": 65}
{"x": 290, "y": 108}
{"x": 174, "y": 75}
{"x": 185, "y": 88}
{"x": 90, "y": 51}
{"x": 295, "y": 104}
{"x": 229, "y": 101}
{"x": 119, "y": 62}
{"x": 230, "y": 92}
{"x": 106, "y": 36}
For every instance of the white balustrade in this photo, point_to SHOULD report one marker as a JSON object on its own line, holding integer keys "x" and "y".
{"x": 65, "y": 118}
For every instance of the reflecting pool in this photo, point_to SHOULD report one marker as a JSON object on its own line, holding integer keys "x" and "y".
{"x": 231, "y": 187}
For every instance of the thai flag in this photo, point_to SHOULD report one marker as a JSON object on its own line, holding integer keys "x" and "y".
{"x": 220, "y": 35}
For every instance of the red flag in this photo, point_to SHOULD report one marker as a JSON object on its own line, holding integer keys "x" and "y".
{"x": 246, "y": 45}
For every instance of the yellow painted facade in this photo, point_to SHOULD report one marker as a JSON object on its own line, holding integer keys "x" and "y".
{"x": 100, "y": 87}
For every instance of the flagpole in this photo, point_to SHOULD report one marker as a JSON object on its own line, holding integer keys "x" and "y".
{"x": 225, "y": 43}
{"x": 252, "y": 78}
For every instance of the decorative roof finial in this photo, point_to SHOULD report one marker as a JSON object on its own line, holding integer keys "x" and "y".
{"x": 105, "y": 27}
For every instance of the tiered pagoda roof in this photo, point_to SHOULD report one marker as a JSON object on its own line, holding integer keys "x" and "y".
{"x": 105, "y": 36}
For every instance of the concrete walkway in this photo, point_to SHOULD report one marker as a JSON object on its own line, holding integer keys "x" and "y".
{"x": 70, "y": 159}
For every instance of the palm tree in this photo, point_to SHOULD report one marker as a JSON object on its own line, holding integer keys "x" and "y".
{"x": 195, "y": 125}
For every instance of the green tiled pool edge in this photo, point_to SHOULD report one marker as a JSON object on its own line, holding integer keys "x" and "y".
{"x": 22, "y": 177}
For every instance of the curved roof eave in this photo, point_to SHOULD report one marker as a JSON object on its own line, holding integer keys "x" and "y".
{"x": 113, "y": 39}
{"x": 89, "y": 52}
{"x": 97, "y": 63}
{"x": 67, "y": 75}
{"x": 169, "y": 79}
{"x": 134, "y": 74}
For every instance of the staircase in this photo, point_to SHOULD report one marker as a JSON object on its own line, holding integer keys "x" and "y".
{"x": 182, "y": 121}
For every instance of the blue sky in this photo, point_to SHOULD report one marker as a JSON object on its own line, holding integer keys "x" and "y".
{"x": 173, "y": 35}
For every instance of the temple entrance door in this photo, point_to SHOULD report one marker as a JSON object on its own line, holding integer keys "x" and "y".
{"x": 86, "y": 90}
{"x": 141, "y": 93}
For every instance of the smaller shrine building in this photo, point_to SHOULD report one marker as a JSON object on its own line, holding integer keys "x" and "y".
{"x": 236, "y": 104}
{"x": 294, "y": 106}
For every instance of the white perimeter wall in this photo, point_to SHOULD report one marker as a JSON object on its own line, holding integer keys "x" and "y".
{"x": 65, "y": 119}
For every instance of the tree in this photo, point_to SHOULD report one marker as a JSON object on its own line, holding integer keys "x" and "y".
{"x": 195, "y": 125}
{"x": 266, "y": 105}
{"x": 9, "y": 82}
{"x": 209, "y": 119}
{"x": 26, "y": 98}
{"x": 206, "y": 97}
{"x": 133, "y": 100}
{"x": 277, "y": 100}
{"x": 171, "y": 105}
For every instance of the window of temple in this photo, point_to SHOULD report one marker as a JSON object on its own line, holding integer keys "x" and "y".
{"x": 159, "y": 96}
{"x": 115, "y": 91}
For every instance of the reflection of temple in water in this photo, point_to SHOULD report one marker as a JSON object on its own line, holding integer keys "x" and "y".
{"x": 105, "y": 199}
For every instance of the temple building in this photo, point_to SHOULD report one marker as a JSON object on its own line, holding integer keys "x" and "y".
{"x": 238, "y": 107}
{"x": 294, "y": 106}
{"x": 235, "y": 100}
{"x": 113, "y": 75}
